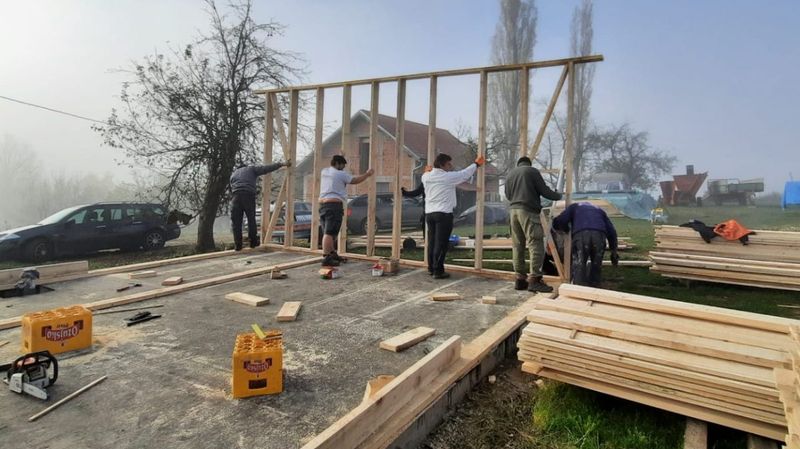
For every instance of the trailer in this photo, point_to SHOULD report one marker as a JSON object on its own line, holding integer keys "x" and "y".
{"x": 734, "y": 190}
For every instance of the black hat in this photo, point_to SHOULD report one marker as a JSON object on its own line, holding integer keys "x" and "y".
{"x": 338, "y": 159}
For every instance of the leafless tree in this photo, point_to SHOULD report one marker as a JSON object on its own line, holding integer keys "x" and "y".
{"x": 513, "y": 42}
{"x": 582, "y": 33}
{"x": 190, "y": 113}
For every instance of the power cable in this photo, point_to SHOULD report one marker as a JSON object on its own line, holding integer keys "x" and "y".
{"x": 52, "y": 110}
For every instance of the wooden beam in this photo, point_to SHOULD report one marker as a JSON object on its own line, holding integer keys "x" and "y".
{"x": 279, "y": 124}
{"x": 445, "y": 73}
{"x": 375, "y": 385}
{"x": 397, "y": 212}
{"x": 273, "y": 220}
{"x": 480, "y": 193}
{"x": 569, "y": 159}
{"x": 143, "y": 274}
{"x": 318, "y": 126}
{"x": 173, "y": 280}
{"x": 374, "y": 142}
{"x": 289, "y": 311}
{"x": 550, "y": 244}
{"x": 407, "y": 339}
{"x": 346, "y": 103}
{"x": 524, "y": 100}
{"x": 246, "y": 298}
{"x": 266, "y": 181}
{"x": 48, "y": 274}
{"x": 288, "y": 239}
{"x": 431, "y": 149}
{"x": 9, "y": 323}
{"x": 445, "y": 296}
{"x": 546, "y": 120}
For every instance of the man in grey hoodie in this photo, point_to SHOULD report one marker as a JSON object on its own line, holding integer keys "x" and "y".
{"x": 243, "y": 186}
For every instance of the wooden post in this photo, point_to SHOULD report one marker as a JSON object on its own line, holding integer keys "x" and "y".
{"x": 568, "y": 166}
{"x": 397, "y": 213}
{"x": 314, "y": 244}
{"x": 273, "y": 219}
{"x": 373, "y": 164}
{"x": 480, "y": 193}
{"x": 524, "y": 84}
{"x": 346, "y": 98}
{"x": 288, "y": 239}
{"x": 550, "y": 244}
{"x": 431, "y": 148}
{"x": 550, "y": 107}
{"x": 266, "y": 183}
{"x": 278, "y": 123}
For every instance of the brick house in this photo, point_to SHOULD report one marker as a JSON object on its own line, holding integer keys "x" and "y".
{"x": 413, "y": 160}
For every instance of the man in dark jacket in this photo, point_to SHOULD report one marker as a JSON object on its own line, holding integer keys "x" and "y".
{"x": 524, "y": 187}
{"x": 243, "y": 185}
{"x": 590, "y": 228}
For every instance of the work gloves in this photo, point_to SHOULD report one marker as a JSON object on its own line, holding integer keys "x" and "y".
{"x": 614, "y": 258}
{"x": 480, "y": 160}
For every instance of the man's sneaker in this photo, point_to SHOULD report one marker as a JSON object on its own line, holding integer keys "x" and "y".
{"x": 521, "y": 284}
{"x": 442, "y": 275}
{"x": 329, "y": 261}
{"x": 538, "y": 286}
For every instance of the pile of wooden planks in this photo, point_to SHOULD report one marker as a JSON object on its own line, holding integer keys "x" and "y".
{"x": 770, "y": 260}
{"x": 705, "y": 362}
{"x": 788, "y": 381}
{"x": 610, "y": 209}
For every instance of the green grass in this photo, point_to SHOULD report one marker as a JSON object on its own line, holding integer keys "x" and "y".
{"x": 750, "y": 216}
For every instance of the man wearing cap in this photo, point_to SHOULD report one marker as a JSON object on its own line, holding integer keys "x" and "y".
{"x": 332, "y": 196}
{"x": 524, "y": 187}
{"x": 243, "y": 186}
{"x": 439, "y": 186}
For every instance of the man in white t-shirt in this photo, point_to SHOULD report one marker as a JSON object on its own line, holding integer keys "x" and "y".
{"x": 332, "y": 196}
{"x": 440, "y": 200}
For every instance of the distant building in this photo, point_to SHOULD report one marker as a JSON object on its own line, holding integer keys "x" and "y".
{"x": 412, "y": 162}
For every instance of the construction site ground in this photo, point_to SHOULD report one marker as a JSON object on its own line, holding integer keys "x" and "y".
{"x": 169, "y": 379}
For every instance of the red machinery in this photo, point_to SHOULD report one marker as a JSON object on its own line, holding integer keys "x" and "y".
{"x": 682, "y": 190}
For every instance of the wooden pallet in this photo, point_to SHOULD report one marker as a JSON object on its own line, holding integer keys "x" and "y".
{"x": 705, "y": 362}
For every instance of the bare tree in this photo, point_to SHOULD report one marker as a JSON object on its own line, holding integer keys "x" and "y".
{"x": 582, "y": 33}
{"x": 513, "y": 42}
{"x": 619, "y": 149}
{"x": 190, "y": 114}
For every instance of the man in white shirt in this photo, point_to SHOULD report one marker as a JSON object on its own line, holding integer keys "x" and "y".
{"x": 332, "y": 196}
{"x": 440, "y": 201}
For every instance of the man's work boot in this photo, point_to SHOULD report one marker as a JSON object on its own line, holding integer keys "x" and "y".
{"x": 328, "y": 261}
{"x": 536, "y": 285}
{"x": 442, "y": 275}
{"x": 521, "y": 284}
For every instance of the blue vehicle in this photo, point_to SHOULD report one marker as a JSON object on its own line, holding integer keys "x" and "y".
{"x": 87, "y": 229}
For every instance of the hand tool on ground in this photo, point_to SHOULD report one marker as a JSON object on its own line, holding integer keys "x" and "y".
{"x": 30, "y": 374}
{"x": 129, "y": 286}
{"x": 140, "y": 318}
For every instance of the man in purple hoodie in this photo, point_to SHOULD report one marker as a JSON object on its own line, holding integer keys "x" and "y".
{"x": 590, "y": 228}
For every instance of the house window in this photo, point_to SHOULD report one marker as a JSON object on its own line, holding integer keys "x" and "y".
{"x": 383, "y": 187}
{"x": 363, "y": 152}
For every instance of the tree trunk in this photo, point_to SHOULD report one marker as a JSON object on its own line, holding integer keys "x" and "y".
{"x": 208, "y": 213}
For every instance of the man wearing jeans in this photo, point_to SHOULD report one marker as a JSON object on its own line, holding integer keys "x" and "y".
{"x": 439, "y": 185}
{"x": 243, "y": 185}
{"x": 332, "y": 196}
{"x": 524, "y": 187}
{"x": 590, "y": 228}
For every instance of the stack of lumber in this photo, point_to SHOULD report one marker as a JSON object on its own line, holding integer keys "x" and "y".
{"x": 705, "y": 362}
{"x": 48, "y": 274}
{"x": 610, "y": 209}
{"x": 770, "y": 260}
{"x": 788, "y": 381}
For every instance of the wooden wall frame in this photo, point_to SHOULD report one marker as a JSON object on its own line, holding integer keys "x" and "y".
{"x": 274, "y": 122}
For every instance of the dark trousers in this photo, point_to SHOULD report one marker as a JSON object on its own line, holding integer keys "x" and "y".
{"x": 588, "y": 248}
{"x": 244, "y": 203}
{"x": 440, "y": 226}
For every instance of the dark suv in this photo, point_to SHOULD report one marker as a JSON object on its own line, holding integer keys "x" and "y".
{"x": 87, "y": 229}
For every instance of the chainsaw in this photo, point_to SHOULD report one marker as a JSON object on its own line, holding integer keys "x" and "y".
{"x": 31, "y": 374}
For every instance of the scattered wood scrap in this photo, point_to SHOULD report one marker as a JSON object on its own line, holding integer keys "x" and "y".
{"x": 289, "y": 311}
{"x": 374, "y": 385}
{"x": 66, "y": 399}
{"x": 445, "y": 296}
{"x": 174, "y": 280}
{"x": 705, "y": 362}
{"x": 277, "y": 274}
{"x": 407, "y": 339}
{"x": 771, "y": 259}
{"x": 142, "y": 274}
{"x": 489, "y": 300}
{"x": 246, "y": 298}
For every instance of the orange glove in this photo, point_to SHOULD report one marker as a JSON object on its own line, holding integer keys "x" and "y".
{"x": 428, "y": 168}
{"x": 480, "y": 160}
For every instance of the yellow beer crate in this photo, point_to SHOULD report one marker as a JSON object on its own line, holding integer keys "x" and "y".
{"x": 257, "y": 364}
{"x": 58, "y": 330}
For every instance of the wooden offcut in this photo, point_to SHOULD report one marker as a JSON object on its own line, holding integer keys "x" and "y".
{"x": 143, "y": 274}
{"x": 174, "y": 280}
{"x": 407, "y": 339}
{"x": 489, "y": 300}
{"x": 445, "y": 296}
{"x": 246, "y": 298}
{"x": 289, "y": 311}
{"x": 48, "y": 274}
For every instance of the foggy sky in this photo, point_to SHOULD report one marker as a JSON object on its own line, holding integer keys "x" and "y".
{"x": 715, "y": 83}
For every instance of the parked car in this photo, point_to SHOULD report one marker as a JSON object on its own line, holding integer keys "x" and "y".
{"x": 302, "y": 221}
{"x": 493, "y": 214}
{"x": 86, "y": 229}
{"x": 413, "y": 213}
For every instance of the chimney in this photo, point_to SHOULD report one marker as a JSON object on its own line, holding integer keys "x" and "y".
{"x": 690, "y": 169}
